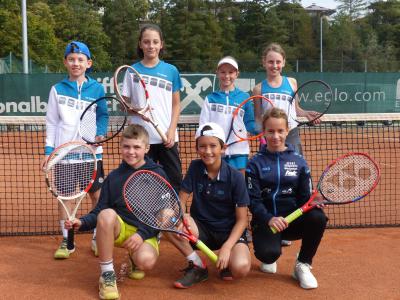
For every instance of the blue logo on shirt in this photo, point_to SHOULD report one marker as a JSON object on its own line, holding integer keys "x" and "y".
{"x": 266, "y": 169}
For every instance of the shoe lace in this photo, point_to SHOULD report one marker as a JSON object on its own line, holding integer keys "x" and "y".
{"x": 63, "y": 244}
{"x": 304, "y": 267}
{"x": 109, "y": 278}
{"x": 189, "y": 267}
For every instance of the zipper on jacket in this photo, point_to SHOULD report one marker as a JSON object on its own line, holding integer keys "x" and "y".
{"x": 227, "y": 102}
{"x": 79, "y": 89}
{"x": 278, "y": 185}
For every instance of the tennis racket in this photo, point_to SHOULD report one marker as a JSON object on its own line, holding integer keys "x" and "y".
{"x": 102, "y": 120}
{"x": 154, "y": 202}
{"x": 238, "y": 126}
{"x": 310, "y": 102}
{"x": 347, "y": 179}
{"x": 135, "y": 95}
{"x": 70, "y": 172}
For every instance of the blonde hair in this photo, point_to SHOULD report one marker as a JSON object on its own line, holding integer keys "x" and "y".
{"x": 274, "y": 47}
{"x": 276, "y": 113}
{"x": 135, "y": 131}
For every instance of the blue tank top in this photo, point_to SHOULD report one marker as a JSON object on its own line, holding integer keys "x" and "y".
{"x": 281, "y": 97}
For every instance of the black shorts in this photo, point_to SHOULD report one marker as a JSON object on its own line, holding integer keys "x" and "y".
{"x": 214, "y": 239}
{"x": 67, "y": 186}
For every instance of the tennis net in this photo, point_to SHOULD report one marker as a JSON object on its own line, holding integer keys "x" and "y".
{"x": 27, "y": 208}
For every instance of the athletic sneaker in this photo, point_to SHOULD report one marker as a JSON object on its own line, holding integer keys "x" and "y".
{"x": 62, "y": 252}
{"x": 268, "y": 268}
{"x": 94, "y": 248}
{"x": 302, "y": 273}
{"x": 286, "y": 243}
{"x": 108, "y": 286}
{"x": 226, "y": 274}
{"x": 193, "y": 274}
{"x": 134, "y": 272}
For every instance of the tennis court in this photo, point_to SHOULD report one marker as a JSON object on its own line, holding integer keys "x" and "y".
{"x": 350, "y": 264}
{"x": 359, "y": 263}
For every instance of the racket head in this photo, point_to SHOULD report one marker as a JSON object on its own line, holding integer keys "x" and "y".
{"x": 152, "y": 200}
{"x": 349, "y": 178}
{"x": 102, "y": 120}
{"x": 315, "y": 96}
{"x": 238, "y": 126}
{"x": 71, "y": 170}
{"x": 131, "y": 89}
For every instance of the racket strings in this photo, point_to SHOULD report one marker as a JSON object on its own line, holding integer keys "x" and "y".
{"x": 238, "y": 121}
{"x": 69, "y": 173}
{"x": 349, "y": 178}
{"x": 134, "y": 88}
{"x": 314, "y": 96}
{"x": 152, "y": 201}
{"x": 94, "y": 128}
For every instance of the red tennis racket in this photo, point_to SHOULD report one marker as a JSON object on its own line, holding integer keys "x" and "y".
{"x": 238, "y": 123}
{"x": 154, "y": 202}
{"x": 131, "y": 89}
{"x": 70, "y": 172}
{"x": 347, "y": 179}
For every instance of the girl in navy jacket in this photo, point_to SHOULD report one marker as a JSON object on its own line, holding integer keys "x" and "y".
{"x": 278, "y": 182}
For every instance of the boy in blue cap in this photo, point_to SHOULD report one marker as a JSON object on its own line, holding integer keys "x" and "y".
{"x": 67, "y": 100}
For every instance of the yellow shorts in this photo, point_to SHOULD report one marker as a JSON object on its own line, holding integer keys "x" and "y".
{"x": 128, "y": 230}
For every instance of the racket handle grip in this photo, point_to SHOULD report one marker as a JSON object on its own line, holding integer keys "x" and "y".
{"x": 161, "y": 133}
{"x": 290, "y": 218}
{"x": 207, "y": 251}
{"x": 70, "y": 239}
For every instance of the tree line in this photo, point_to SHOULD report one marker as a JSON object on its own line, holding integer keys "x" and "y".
{"x": 361, "y": 35}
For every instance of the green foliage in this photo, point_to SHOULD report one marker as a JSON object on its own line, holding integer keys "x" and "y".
{"x": 10, "y": 28}
{"x": 199, "y": 32}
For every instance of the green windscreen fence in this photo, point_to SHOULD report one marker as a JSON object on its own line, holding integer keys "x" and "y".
{"x": 26, "y": 95}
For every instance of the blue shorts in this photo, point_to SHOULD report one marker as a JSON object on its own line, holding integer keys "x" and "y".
{"x": 238, "y": 161}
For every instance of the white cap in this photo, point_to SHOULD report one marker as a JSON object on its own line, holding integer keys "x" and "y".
{"x": 215, "y": 131}
{"x": 228, "y": 60}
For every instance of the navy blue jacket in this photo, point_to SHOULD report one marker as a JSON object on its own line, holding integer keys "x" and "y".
{"x": 278, "y": 183}
{"x": 111, "y": 197}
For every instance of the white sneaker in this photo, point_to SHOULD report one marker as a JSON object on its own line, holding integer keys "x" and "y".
{"x": 302, "y": 273}
{"x": 268, "y": 268}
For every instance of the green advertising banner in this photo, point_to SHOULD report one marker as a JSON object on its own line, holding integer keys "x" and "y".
{"x": 26, "y": 95}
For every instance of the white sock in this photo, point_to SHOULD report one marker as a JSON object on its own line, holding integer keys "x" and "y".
{"x": 64, "y": 231}
{"x": 195, "y": 258}
{"x": 94, "y": 234}
{"x": 106, "y": 266}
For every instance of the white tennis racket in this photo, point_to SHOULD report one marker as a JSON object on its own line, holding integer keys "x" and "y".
{"x": 136, "y": 96}
{"x": 70, "y": 172}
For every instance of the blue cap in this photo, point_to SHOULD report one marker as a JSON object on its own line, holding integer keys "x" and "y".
{"x": 77, "y": 47}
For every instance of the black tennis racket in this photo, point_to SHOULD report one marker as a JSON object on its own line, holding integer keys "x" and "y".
{"x": 102, "y": 120}
{"x": 310, "y": 102}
